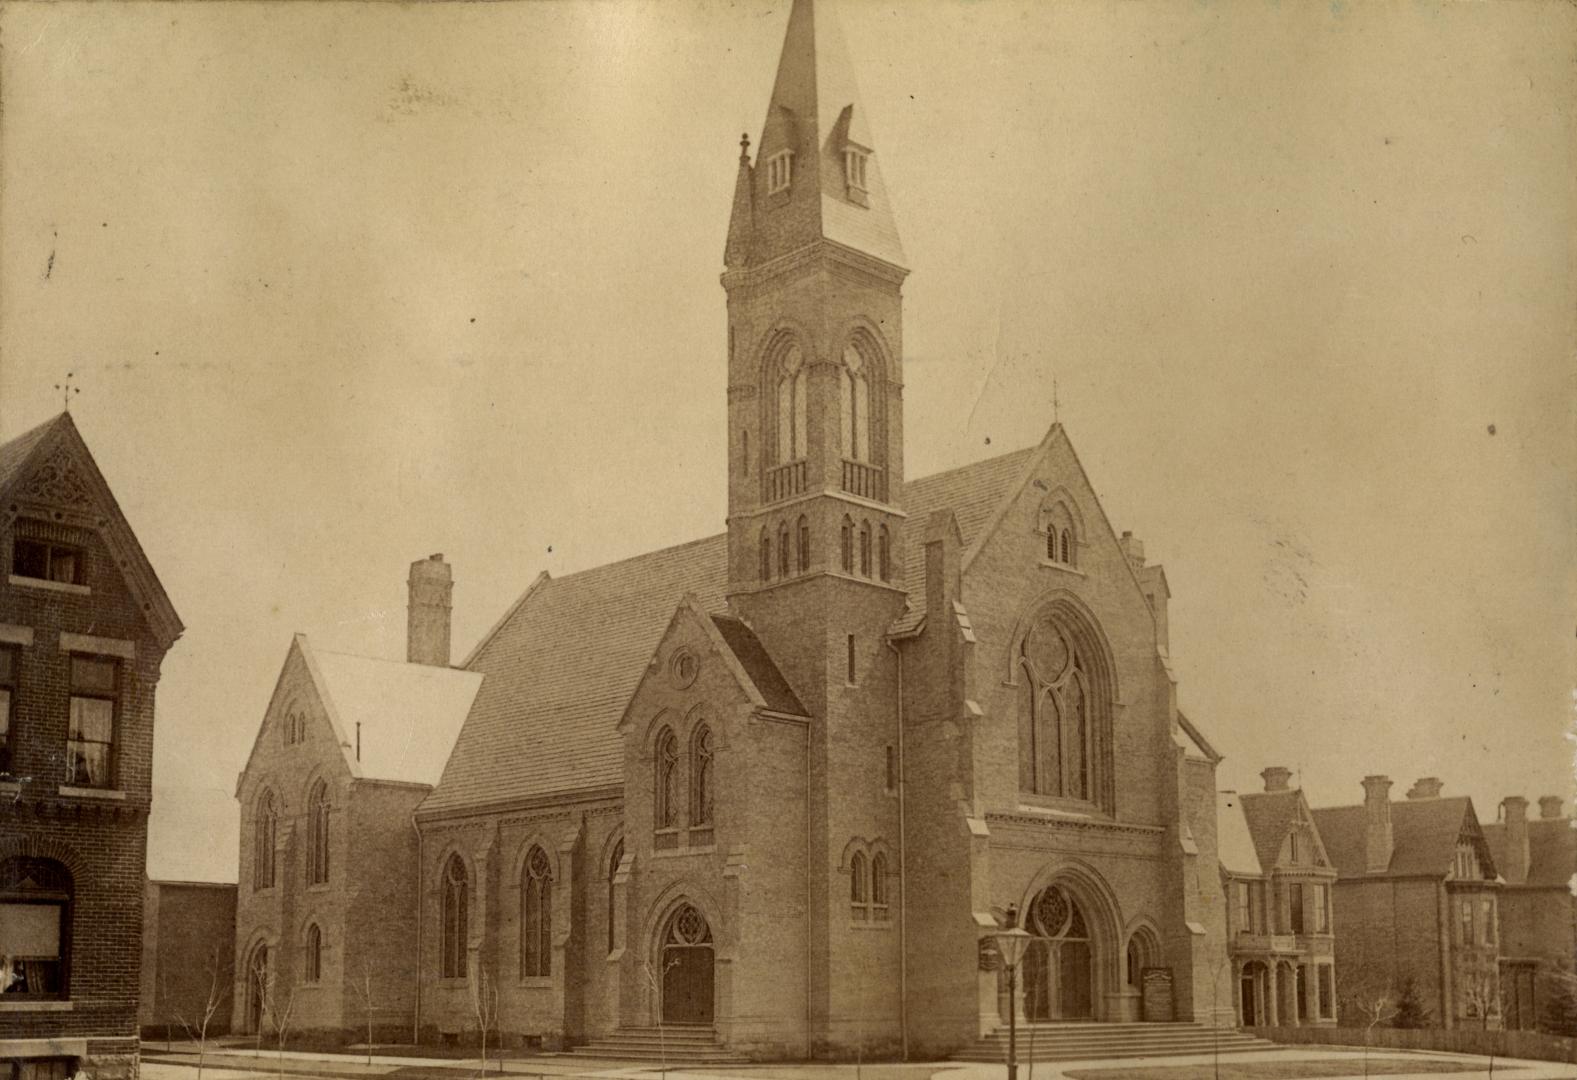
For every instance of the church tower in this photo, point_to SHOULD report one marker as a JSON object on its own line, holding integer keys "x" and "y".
{"x": 813, "y": 274}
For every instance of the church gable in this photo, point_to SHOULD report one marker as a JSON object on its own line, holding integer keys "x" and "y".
{"x": 66, "y": 528}
{"x": 296, "y": 735}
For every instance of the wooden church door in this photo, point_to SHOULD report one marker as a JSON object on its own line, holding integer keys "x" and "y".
{"x": 687, "y": 969}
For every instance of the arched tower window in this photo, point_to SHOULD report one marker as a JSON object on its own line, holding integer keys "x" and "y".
{"x": 35, "y": 926}
{"x": 859, "y": 889}
{"x": 846, "y": 546}
{"x": 701, "y": 778}
{"x": 614, "y": 861}
{"x": 536, "y": 915}
{"x": 865, "y": 548}
{"x": 744, "y": 446}
{"x": 789, "y": 396}
{"x": 856, "y": 406}
{"x": 884, "y": 553}
{"x": 264, "y": 829}
{"x": 666, "y": 812}
{"x": 766, "y": 556}
{"x": 879, "y": 906}
{"x": 453, "y": 939}
{"x": 318, "y": 834}
{"x": 313, "y": 960}
{"x": 1067, "y": 547}
{"x": 783, "y": 549}
{"x": 1063, "y": 742}
{"x": 1062, "y": 534}
{"x": 804, "y": 543}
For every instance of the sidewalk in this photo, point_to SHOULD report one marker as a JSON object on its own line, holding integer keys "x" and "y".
{"x": 241, "y": 1063}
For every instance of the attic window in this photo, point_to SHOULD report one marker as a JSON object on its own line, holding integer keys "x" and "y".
{"x": 45, "y": 561}
{"x": 780, "y": 170}
{"x": 854, "y": 161}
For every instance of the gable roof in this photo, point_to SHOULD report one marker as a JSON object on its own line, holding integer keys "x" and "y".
{"x": 1424, "y": 836}
{"x": 1235, "y": 847}
{"x": 1552, "y": 850}
{"x": 1269, "y": 814}
{"x": 74, "y": 477}
{"x": 395, "y": 721}
{"x": 565, "y": 659}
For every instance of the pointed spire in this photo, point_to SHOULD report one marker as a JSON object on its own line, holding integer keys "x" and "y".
{"x": 736, "y": 252}
{"x": 834, "y": 184}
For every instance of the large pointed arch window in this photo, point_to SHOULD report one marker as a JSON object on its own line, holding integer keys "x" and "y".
{"x": 701, "y": 777}
{"x": 1062, "y": 741}
{"x": 265, "y": 827}
{"x": 455, "y": 926}
{"x": 536, "y": 915}
{"x": 666, "y": 812}
{"x": 791, "y": 412}
{"x": 318, "y": 834}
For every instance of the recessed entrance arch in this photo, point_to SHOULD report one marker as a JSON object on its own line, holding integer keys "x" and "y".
{"x": 1059, "y": 967}
{"x": 687, "y": 967}
{"x": 258, "y": 985}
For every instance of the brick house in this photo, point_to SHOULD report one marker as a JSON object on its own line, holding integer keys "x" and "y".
{"x": 781, "y": 783}
{"x": 1538, "y": 913}
{"x": 1278, "y": 883}
{"x": 84, "y": 626}
{"x": 1416, "y": 901}
{"x": 326, "y": 902}
{"x": 188, "y": 947}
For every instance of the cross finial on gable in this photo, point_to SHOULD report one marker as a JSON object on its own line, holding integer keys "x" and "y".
{"x": 744, "y": 147}
{"x": 67, "y": 388}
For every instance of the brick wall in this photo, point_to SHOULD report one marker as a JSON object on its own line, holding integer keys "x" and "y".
{"x": 188, "y": 949}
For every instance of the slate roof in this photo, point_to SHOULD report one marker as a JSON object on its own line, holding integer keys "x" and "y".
{"x": 15, "y": 452}
{"x": 752, "y": 656}
{"x": 406, "y": 716}
{"x": 1269, "y": 814}
{"x": 1235, "y": 847}
{"x": 1552, "y": 850}
{"x": 562, "y": 664}
{"x": 1424, "y": 836}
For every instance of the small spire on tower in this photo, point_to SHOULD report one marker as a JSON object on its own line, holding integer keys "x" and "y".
{"x": 744, "y": 148}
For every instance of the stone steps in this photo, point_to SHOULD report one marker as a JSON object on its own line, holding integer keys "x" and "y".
{"x": 1089, "y": 1041}
{"x": 680, "y": 1044}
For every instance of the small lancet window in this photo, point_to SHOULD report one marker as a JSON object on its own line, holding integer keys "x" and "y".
{"x": 859, "y": 892}
{"x": 854, "y": 163}
{"x": 846, "y": 547}
{"x": 804, "y": 544}
{"x": 780, "y": 171}
{"x": 865, "y": 548}
{"x": 766, "y": 556}
{"x": 666, "y": 815}
{"x": 783, "y": 549}
{"x": 1067, "y": 547}
{"x": 884, "y": 553}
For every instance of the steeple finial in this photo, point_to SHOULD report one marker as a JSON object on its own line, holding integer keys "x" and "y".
{"x": 66, "y": 389}
{"x": 744, "y": 148}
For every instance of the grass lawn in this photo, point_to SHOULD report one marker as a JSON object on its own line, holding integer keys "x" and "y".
{"x": 1283, "y": 1070}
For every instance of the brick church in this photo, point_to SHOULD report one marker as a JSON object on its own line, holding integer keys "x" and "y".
{"x": 785, "y": 782}
{"x": 781, "y": 785}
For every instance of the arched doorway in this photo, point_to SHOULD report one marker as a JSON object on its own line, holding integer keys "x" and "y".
{"x": 1249, "y": 991}
{"x": 1059, "y": 967}
{"x": 257, "y": 987}
{"x": 687, "y": 957}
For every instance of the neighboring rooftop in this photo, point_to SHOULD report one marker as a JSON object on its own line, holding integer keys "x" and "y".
{"x": 1234, "y": 846}
{"x": 1552, "y": 851}
{"x": 1424, "y": 836}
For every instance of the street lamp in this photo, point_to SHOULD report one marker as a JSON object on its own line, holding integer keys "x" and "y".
{"x": 1012, "y": 941}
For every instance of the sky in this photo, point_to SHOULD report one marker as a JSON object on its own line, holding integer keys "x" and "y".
{"x": 344, "y": 285}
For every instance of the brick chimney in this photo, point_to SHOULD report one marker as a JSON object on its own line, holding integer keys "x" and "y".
{"x": 1514, "y": 867}
{"x": 427, "y": 612}
{"x": 1377, "y": 823}
{"x": 1550, "y": 807}
{"x": 1276, "y": 778}
{"x": 1426, "y": 787}
{"x": 1132, "y": 547}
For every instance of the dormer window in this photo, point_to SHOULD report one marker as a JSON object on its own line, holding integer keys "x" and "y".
{"x": 780, "y": 170}
{"x": 44, "y": 561}
{"x": 854, "y": 162}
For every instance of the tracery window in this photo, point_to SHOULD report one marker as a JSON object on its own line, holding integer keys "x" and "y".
{"x": 313, "y": 960}
{"x": 536, "y": 915}
{"x": 790, "y": 397}
{"x": 666, "y": 814}
{"x": 455, "y": 920}
{"x": 1062, "y": 743}
{"x": 318, "y": 834}
{"x": 701, "y": 794}
{"x": 264, "y": 829}
{"x": 35, "y": 926}
{"x": 804, "y": 543}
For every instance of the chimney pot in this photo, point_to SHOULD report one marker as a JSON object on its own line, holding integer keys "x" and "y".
{"x": 1378, "y": 840}
{"x": 1550, "y": 807}
{"x": 1426, "y": 787}
{"x": 1276, "y": 778}
{"x": 430, "y": 586}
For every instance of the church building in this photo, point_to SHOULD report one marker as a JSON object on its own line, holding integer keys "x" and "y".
{"x": 781, "y": 785}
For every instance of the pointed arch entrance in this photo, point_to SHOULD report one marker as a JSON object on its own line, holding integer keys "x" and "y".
{"x": 688, "y": 967}
{"x": 258, "y": 985}
{"x": 1059, "y": 968}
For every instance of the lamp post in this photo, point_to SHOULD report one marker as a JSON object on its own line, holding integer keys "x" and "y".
{"x": 1012, "y": 941}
